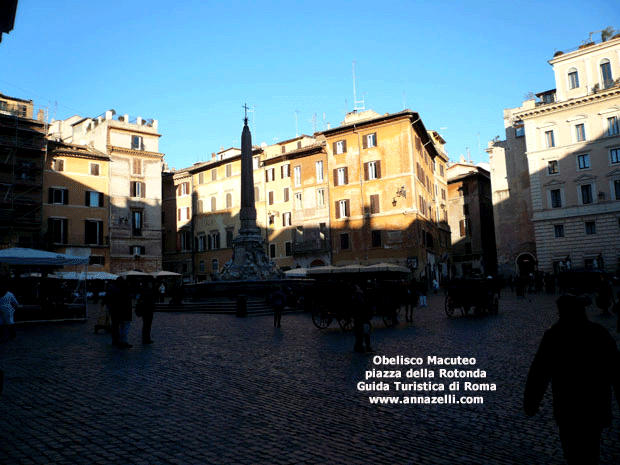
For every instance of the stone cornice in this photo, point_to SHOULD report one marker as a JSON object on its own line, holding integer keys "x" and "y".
{"x": 135, "y": 153}
{"x": 567, "y": 104}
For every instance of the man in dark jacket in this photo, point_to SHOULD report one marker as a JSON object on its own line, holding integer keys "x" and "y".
{"x": 582, "y": 362}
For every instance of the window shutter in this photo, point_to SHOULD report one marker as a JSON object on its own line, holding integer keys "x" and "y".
{"x": 366, "y": 171}
{"x": 50, "y": 195}
{"x": 374, "y": 203}
{"x": 335, "y": 177}
{"x": 347, "y": 208}
{"x": 334, "y": 148}
{"x": 87, "y": 198}
{"x": 378, "y": 163}
{"x": 143, "y": 190}
{"x": 101, "y": 199}
{"x": 337, "y": 209}
{"x": 346, "y": 175}
{"x": 364, "y": 142}
{"x": 65, "y": 198}
{"x": 344, "y": 146}
{"x": 142, "y": 250}
{"x": 65, "y": 232}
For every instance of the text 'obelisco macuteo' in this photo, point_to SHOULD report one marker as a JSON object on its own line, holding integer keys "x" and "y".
{"x": 249, "y": 261}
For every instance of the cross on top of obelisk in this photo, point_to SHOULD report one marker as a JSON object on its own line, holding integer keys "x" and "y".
{"x": 245, "y": 106}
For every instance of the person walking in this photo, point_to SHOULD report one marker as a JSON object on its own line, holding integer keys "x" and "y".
{"x": 278, "y": 302}
{"x": 118, "y": 301}
{"x": 162, "y": 292}
{"x": 8, "y": 305}
{"x": 145, "y": 307}
{"x": 581, "y": 361}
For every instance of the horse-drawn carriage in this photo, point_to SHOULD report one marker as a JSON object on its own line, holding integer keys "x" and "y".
{"x": 479, "y": 294}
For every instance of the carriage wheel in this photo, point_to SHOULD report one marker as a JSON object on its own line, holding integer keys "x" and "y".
{"x": 321, "y": 318}
{"x": 346, "y": 323}
{"x": 391, "y": 319}
{"x": 449, "y": 306}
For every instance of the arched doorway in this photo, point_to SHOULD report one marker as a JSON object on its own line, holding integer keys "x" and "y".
{"x": 526, "y": 264}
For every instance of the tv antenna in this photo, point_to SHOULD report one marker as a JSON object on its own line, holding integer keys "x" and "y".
{"x": 313, "y": 121}
{"x": 355, "y": 101}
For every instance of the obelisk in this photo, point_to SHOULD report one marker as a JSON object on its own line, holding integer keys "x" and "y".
{"x": 249, "y": 261}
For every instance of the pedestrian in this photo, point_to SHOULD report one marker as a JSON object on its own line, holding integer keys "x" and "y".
{"x": 145, "y": 307}
{"x": 604, "y": 295}
{"x": 422, "y": 290}
{"x": 118, "y": 301}
{"x": 278, "y": 302}
{"x": 581, "y": 361}
{"x": 162, "y": 292}
{"x": 8, "y": 305}
{"x": 412, "y": 301}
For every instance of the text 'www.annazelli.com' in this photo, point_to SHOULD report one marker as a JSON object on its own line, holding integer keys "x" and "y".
{"x": 445, "y": 399}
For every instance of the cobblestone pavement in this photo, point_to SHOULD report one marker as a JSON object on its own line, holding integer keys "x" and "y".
{"x": 215, "y": 389}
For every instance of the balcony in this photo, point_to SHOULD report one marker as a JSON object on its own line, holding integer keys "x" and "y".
{"x": 310, "y": 246}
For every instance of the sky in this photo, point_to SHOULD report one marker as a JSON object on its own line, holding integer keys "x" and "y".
{"x": 193, "y": 65}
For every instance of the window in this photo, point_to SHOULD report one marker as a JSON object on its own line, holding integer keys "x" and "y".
{"x": 270, "y": 174}
{"x": 375, "y": 239}
{"x": 552, "y": 167}
{"x": 288, "y": 249}
{"x": 606, "y": 76}
{"x": 183, "y": 189}
{"x": 57, "y": 230}
{"x": 229, "y": 200}
{"x": 96, "y": 260}
{"x": 613, "y": 128}
{"x": 137, "y": 143}
{"x": 93, "y": 199}
{"x": 201, "y": 243}
{"x": 202, "y": 266}
{"x": 286, "y": 219}
{"x": 136, "y": 167}
{"x": 137, "y": 189}
{"x": 93, "y": 232}
{"x": 270, "y": 198}
{"x": 320, "y": 197}
{"x": 556, "y": 198}
{"x": 58, "y": 196}
{"x": 213, "y": 240}
{"x": 215, "y": 264}
{"x": 341, "y": 176}
{"x": 340, "y": 147}
{"x": 228, "y": 173}
{"x": 185, "y": 240}
{"x": 580, "y": 132}
{"x": 229, "y": 238}
{"x": 590, "y": 227}
{"x": 465, "y": 209}
{"x": 285, "y": 171}
{"x": 573, "y": 78}
{"x": 586, "y": 194}
{"x": 615, "y": 155}
{"x": 58, "y": 164}
{"x": 617, "y": 189}
{"x": 342, "y": 208}
{"x": 519, "y": 130}
{"x": 272, "y": 248}
{"x": 137, "y": 250}
{"x": 344, "y": 241}
{"x": 297, "y": 175}
{"x": 558, "y": 230}
{"x": 374, "y": 204}
{"x": 372, "y": 170}
{"x": 214, "y": 174}
{"x": 213, "y": 204}
{"x": 298, "y": 201}
{"x": 465, "y": 227}
{"x": 136, "y": 222}
{"x": 369, "y": 140}
{"x": 319, "y": 171}
{"x": 549, "y": 139}
{"x": 583, "y": 161}
{"x": 183, "y": 214}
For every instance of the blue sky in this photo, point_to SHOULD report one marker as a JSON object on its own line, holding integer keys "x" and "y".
{"x": 192, "y": 65}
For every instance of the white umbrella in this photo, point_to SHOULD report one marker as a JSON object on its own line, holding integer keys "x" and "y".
{"x": 296, "y": 273}
{"x": 388, "y": 267}
{"x": 125, "y": 274}
{"x": 164, "y": 273}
